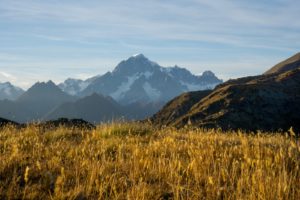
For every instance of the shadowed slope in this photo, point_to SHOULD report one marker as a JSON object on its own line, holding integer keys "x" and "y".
{"x": 265, "y": 102}
{"x": 4, "y": 122}
{"x": 268, "y": 103}
{"x": 178, "y": 107}
{"x": 94, "y": 108}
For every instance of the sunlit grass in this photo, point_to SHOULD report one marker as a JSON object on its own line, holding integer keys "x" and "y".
{"x": 134, "y": 161}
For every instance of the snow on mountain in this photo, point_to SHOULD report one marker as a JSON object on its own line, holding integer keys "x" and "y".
{"x": 124, "y": 87}
{"x": 75, "y": 86}
{"x": 10, "y": 92}
{"x": 139, "y": 79}
{"x": 152, "y": 93}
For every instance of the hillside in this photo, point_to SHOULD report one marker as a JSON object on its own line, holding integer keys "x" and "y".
{"x": 266, "y": 102}
{"x": 286, "y": 65}
{"x": 94, "y": 108}
{"x": 179, "y": 106}
{"x": 135, "y": 161}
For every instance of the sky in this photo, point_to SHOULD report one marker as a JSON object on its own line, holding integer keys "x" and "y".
{"x": 57, "y": 39}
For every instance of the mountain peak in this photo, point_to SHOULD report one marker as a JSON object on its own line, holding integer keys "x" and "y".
{"x": 44, "y": 91}
{"x": 138, "y": 58}
{"x": 44, "y": 87}
{"x": 208, "y": 73}
{"x": 135, "y": 64}
{"x": 139, "y": 55}
{"x": 51, "y": 83}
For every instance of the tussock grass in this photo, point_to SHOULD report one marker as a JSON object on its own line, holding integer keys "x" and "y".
{"x": 134, "y": 161}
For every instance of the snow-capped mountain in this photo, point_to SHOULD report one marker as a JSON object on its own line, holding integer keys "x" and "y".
{"x": 138, "y": 79}
{"x": 75, "y": 86}
{"x": 9, "y": 91}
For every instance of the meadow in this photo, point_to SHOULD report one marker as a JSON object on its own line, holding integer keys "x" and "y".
{"x": 137, "y": 161}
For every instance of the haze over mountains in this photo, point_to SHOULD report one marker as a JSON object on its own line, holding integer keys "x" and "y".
{"x": 266, "y": 102}
{"x": 135, "y": 89}
{"x": 9, "y": 92}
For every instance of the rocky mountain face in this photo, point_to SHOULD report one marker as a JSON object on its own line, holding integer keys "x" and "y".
{"x": 266, "y": 102}
{"x": 9, "y": 91}
{"x": 138, "y": 79}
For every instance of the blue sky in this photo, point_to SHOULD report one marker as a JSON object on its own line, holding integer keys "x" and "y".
{"x": 57, "y": 39}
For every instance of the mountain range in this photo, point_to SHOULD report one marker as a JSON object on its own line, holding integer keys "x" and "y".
{"x": 35, "y": 103}
{"x": 137, "y": 88}
{"x": 270, "y": 101}
{"x": 138, "y": 79}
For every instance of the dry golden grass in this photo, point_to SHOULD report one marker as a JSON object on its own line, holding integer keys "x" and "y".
{"x": 132, "y": 161}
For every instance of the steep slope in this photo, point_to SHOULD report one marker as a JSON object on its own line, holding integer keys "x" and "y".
{"x": 177, "y": 107}
{"x": 9, "y": 91}
{"x": 266, "y": 102}
{"x": 286, "y": 65}
{"x": 138, "y": 79}
{"x": 94, "y": 108}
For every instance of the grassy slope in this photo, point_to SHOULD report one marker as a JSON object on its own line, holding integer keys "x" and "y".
{"x": 132, "y": 161}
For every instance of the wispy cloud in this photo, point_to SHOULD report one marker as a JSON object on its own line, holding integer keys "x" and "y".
{"x": 6, "y": 75}
{"x": 53, "y": 33}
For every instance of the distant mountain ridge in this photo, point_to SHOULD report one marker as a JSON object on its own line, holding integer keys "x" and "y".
{"x": 36, "y": 102}
{"x": 94, "y": 108}
{"x": 266, "y": 102}
{"x": 137, "y": 88}
{"x": 138, "y": 79}
{"x": 98, "y": 108}
{"x": 46, "y": 101}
